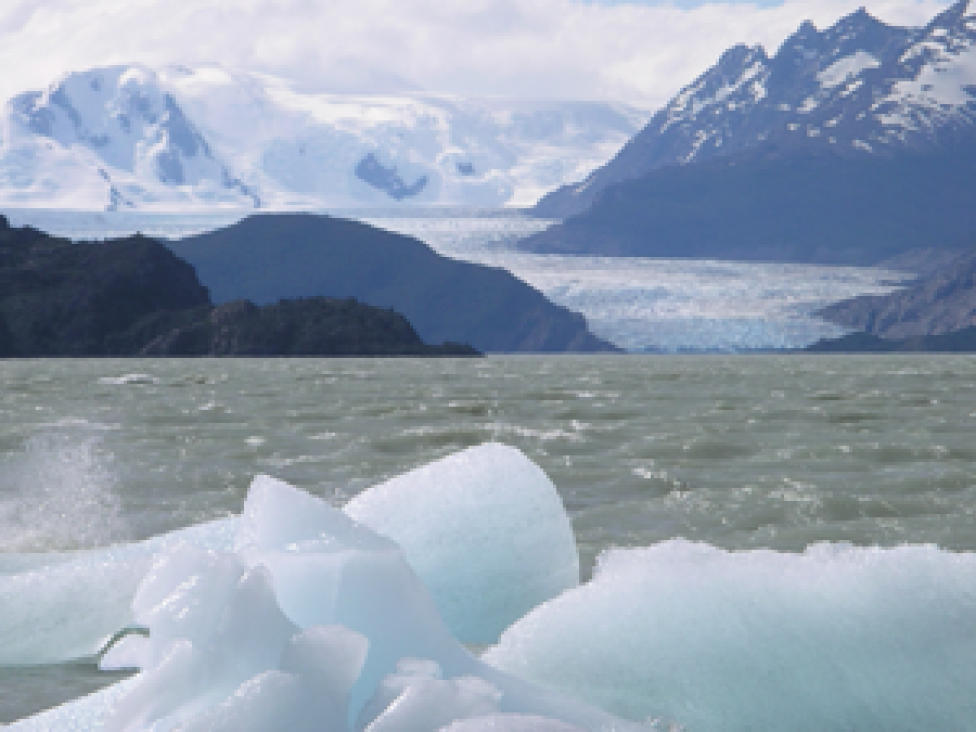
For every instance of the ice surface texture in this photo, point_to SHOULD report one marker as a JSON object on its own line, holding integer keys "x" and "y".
{"x": 295, "y": 616}
{"x": 313, "y": 621}
{"x": 836, "y": 638}
{"x": 448, "y": 517}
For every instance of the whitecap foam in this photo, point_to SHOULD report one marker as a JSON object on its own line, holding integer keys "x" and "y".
{"x": 60, "y": 493}
{"x": 128, "y": 379}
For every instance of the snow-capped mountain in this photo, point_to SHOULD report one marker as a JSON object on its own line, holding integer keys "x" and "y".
{"x": 207, "y": 136}
{"x": 110, "y": 138}
{"x": 860, "y": 85}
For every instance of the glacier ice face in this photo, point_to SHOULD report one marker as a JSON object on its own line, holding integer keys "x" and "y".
{"x": 836, "y": 638}
{"x": 448, "y": 516}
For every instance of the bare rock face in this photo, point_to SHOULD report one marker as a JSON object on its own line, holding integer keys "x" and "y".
{"x": 58, "y": 298}
{"x": 942, "y": 302}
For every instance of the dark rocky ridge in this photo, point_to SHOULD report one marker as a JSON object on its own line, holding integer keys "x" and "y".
{"x": 844, "y": 85}
{"x": 939, "y": 303}
{"x": 782, "y": 204}
{"x": 63, "y": 299}
{"x": 318, "y": 326}
{"x": 960, "y": 341}
{"x": 132, "y": 296}
{"x": 267, "y": 257}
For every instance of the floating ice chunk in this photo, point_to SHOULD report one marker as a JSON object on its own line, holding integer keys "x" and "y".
{"x": 330, "y": 660}
{"x": 269, "y": 701}
{"x": 205, "y": 643}
{"x": 66, "y": 611}
{"x": 86, "y": 714}
{"x": 237, "y": 639}
{"x": 836, "y": 638}
{"x": 67, "y": 606}
{"x": 309, "y": 693}
{"x": 486, "y": 531}
{"x": 279, "y": 517}
{"x": 329, "y": 570}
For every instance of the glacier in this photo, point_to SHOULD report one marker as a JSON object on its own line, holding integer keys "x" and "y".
{"x": 178, "y": 138}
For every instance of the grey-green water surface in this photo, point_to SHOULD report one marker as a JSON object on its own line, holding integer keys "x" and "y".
{"x": 740, "y": 452}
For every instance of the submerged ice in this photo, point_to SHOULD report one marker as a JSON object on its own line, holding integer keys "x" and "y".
{"x": 296, "y": 615}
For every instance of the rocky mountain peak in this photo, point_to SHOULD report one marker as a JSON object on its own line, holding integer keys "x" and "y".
{"x": 858, "y": 87}
{"x": 954, "y": 16}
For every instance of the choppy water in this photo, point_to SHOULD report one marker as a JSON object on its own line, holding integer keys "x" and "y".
{"x": 637, "y": 303}
{"x": 775, "y": 452}
{"x": 739, "y": 452}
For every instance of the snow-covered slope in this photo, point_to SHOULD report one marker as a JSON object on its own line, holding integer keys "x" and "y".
{"x": 109, "y": 138}
{"x": 860, "y": 85}
{"x": 180, "y": 137}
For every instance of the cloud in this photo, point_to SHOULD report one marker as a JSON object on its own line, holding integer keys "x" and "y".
{"x": 563, "y": 49}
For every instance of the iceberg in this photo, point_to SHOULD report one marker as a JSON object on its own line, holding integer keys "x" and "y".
{"x": 297, "y": 615}
{"x": 309, "y": 620}
{"x": 446, "y": 516}
{"x": 449, "y": 516}
{"x": 700, "y": 638}
{"x": 67, "y": 606}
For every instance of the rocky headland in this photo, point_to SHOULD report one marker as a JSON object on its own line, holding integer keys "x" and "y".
{"x": 134, "y": 297}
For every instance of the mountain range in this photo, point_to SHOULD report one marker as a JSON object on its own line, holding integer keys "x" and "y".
{"x": 176, "y": 137}
{"x": 858, "y": 87}
{"x": 802, "y": 204}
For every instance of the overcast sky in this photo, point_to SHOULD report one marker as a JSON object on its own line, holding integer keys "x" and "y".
{"x": 637, "y": 51}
